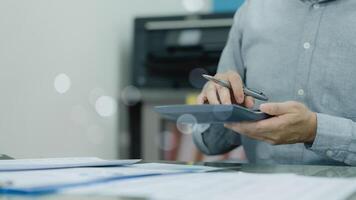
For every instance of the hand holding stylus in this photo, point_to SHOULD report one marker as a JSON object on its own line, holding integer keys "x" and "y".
{"x": 248, "y": 92}
{"x": 214, "y": 93}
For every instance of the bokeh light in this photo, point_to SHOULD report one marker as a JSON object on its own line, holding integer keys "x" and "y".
{"x": 201, "y": 127}
{"x": 196, "y": 78}
{"x": 131, "y": 95}
{"x": 187, "y": 124}
{"x": 106, "y": 106}
{"x": 62, "y": 83}
{"x": 193, "y": 5}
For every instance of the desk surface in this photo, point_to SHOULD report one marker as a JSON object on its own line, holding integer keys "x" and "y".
{"x": 307, "y": 170}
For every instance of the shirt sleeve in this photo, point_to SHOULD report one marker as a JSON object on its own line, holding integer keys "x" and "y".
{"x": 335, "y": 139}
{"x": 217, "y": 139}
{"x": 231, "y": 57}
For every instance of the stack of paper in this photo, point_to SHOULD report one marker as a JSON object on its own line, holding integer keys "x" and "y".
{"x": 53, "y": 180}
{"x": 161, "y": 181}
{"x": 220, "y": 186}
{"x": 56, "y": 163}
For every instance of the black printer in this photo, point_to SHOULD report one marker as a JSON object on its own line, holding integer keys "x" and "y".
{"x": 172, "y": 52}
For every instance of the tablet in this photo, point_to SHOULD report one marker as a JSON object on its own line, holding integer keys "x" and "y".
{"x": 211, "y": 113}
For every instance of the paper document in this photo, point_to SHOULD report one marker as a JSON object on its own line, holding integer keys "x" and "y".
{"x": 162, "y": 167}
{"x": 48, "y": 181}
{"x": 220, "y": 186}
{"x": 56, "y": 163}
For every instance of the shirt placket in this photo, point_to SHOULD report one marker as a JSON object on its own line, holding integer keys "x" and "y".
{"x": 307, "y": 45}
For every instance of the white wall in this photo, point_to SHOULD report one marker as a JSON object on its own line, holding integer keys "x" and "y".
{"x": 137, "y": 8}
{"x": 89, "y": 40}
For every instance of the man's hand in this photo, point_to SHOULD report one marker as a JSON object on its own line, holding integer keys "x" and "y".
{"x": 292, "y": 123}
{"x": 216, "y": 94}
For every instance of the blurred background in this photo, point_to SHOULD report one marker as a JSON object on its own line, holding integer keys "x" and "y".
{"x": 81, "y": 77}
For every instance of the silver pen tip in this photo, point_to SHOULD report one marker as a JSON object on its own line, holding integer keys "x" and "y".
{"x": 210, "y": 78}
{"x": 207, "y": 76}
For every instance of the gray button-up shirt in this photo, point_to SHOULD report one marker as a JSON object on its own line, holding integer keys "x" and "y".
{"x": 301, "y": 50}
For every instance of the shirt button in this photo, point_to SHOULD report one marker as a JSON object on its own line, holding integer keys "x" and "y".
{"x": 307, "y": 45}
{"x": 329, "y": 153}
{"x": 316, "y": 6}
{"x": 301, "y": 92}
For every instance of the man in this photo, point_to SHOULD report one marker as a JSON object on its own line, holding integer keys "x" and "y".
{"x": 302, "y": 54}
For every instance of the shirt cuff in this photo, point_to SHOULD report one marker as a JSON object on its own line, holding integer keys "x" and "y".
{"x": 216, "y": 140}
{"x": 333, "y": 137}
{"x": 199, "y": 142}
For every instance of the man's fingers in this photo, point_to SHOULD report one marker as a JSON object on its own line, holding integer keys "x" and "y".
{"x": 249, "y": 102}
{"x": 257, "y": 128}
{"x": 212, "y": 95}
{"x": 243, "y": 127}
{"x": 272, "y": 124}
{"x": 224, "y": 95}
{"x": 235, "y": 81}
{"x": 237, "y": 86}
{"x": 252, "y": 135}
{"x": 278, "y": 108}
{"x": 201, "y": 99}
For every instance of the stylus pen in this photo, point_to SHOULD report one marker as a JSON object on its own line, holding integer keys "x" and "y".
{"x": 248, "y": 92}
